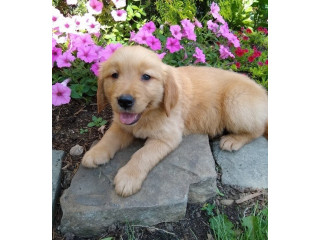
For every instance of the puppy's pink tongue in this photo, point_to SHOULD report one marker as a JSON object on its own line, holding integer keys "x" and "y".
{"x": 128, "y": 118}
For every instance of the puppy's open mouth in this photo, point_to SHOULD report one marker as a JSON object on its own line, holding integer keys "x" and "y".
{"x": 129, "y": 118}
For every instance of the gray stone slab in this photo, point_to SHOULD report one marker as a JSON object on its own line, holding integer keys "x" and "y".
{"x": 245, "y": 168}
{"x": 186, "y": 174}
{"x": 57, "y": 156}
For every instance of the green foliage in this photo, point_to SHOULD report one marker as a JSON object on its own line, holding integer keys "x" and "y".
{"x": 113, "y": 31}
{"x": 173, "y": 11}
{"x": 82, "y": 131}
{"x": 83, "y": 82}
{"x": 235, "y": 13}
{"x": 97, "y": 122}
{"x": 260, "y": 13}
{"x": 254, "y": 227}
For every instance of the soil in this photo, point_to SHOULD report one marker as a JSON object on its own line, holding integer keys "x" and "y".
{"x": 67, "y": 122}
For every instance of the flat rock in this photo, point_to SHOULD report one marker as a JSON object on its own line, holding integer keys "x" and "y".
{"x": 185, "y": 175}
{"x": 57, "y": 157}
{"x": 245, "y": 168}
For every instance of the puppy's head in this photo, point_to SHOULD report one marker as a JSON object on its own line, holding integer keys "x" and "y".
{"x": 134, "y": 81}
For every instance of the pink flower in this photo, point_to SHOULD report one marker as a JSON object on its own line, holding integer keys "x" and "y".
{"x": 225, "y": 52}
{"x": 108, "y": 51}
{"x": 260, "y": 63}
{"x": 161, "y": 55}
{"x": 132, "y": 35}
{"x": 212, "y": 26}
{"x": 238, "y": 65}
{"x": 72, "y": 2}
{"x": 214, "y": 8}
{"x": 173, "y": 45}
{"x": 94, "y": 6}
{"x": 234, "y": 40}
{"x": 56, "y": 52}
{"x": 176, "y": 31}
{"x": 87, "y": 54}
{"x": 141, "y": 36}
{"x": 119, "y": 15}
{"x": 154, "y": 43}
{"x": 266, "y": 62}
{"x": 61, "y": 93}
{"x": 83, "y": 40}
{"x": 95, "y": 69}
{"x": 197, "y": 23}
{"x": 188, "y": 29}
{"x": 119, "y": 3}
{"x": 54, "y": 42}
{"x": 199, "y": 56}
{"x": 149, "y": 27}
{"x": 65, "y": 60}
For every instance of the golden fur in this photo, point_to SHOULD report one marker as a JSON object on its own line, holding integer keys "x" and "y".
{"x": 173, "y": 103}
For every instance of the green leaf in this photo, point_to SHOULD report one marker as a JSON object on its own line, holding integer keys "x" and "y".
{"x": 103, "y": 122}
{"x": 91, "y": 124}
{"x": 94, "y": 118}
{"x": 251, "y": 222}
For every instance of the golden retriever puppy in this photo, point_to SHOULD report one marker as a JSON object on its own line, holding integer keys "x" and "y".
{"x": 161, "y": 103}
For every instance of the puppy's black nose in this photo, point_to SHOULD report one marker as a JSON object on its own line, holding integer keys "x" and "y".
{"x": 126, "y": 101}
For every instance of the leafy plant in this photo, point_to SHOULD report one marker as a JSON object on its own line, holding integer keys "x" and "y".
{"x": 97, "y": 122}
{"x": 254, "y": 227}
{"x": 173, "y": 11}
{"x": 235, "y": 13}
{"x": 83, "y": 130}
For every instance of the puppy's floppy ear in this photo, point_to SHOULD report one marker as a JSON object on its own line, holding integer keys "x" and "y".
{"x": 101, "y": 97}
{"x": 171, "y": 93}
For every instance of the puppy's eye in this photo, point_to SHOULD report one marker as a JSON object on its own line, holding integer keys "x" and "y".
{"x": 115, "y": 75}
{"x": 145, "y": 77}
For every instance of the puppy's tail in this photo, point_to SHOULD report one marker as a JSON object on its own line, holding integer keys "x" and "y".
{"x": 265, "y": 134}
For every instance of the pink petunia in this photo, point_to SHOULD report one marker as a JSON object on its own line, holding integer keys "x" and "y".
{"x": 173, "y": 45}
{"x": 56, "y": 52}
{"x": 214, "y": 8}
{"x": 94, "y": 6}
{"x": 132, "y": 35}
{"x": 176, "y": 31}
{"x": 154, "y": 43}
{"x": 149, "y": 27}
{"x": 225, "y": 52}
{"x": 65, "y": 60}
{"x": 119, "y": 15}
{"x": 83, "y": 40}
{"x": 108, "y": 51}
{"x": 199, "y": 56}
{"x": 260, "y": 63}
{"x": 141, "y": 36}
{"x": 188, "y": 29}
{"x": 54, "y": 42}
{"x": 119, "y": 3}
{"x": 213, "y": 26}
{"x": 95, "y": 69}
{"x": 61, "y": 93}
{"x": 161, "y": 55}
{"x": 87, "y": 54}
{"x": 197, "y": 23}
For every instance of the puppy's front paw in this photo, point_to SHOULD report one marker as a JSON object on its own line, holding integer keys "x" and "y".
{"x": 128, "y": 181}
{"x": 95, "y": 157}
{"x": 230, "y": 143}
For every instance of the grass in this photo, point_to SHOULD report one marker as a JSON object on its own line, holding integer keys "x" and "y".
{"x": 253, "y": 227}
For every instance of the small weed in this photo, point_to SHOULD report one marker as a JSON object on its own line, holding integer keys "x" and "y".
{"x": 97, "y": 122}
{"x": 130, "y": 231}
{"x": 254, "y": 227}
{"x": 82, "y": 131}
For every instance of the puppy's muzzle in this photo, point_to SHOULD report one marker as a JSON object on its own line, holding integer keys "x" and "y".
{"x": 126, "y": 102}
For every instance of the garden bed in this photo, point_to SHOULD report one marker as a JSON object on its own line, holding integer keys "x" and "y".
{"x": 68, "y": 120}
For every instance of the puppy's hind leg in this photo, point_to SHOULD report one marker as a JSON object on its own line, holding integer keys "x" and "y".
{"x": 245, "y": 116}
